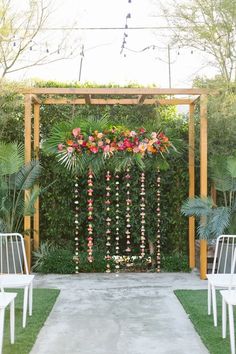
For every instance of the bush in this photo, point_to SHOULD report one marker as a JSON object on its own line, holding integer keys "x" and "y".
{"x": 174, "y": 263}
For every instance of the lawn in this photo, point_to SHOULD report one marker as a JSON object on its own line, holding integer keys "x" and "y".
{"x": 43, "y": 302}
{"x": 195, "y": 304}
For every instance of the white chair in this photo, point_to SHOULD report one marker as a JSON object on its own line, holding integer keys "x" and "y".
{"x": 5, "y": 300}
{"x": 220, "y": 276}
{"x": 14, "y": 269}
{"x": 229, "y": 299}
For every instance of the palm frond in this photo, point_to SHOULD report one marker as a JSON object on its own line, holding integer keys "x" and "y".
{"x": 231, "y": 166}
{"x": 197, "y": 207}
{"x": 26, "y": 177}
{"x": 11, "y": 158}
{"x": 219, "y": 174}
{"x": 30, "y": 201}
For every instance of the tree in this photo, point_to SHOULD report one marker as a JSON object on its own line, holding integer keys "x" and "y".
{"x": 209, "y": 26}
{"x": 20, "y": 27}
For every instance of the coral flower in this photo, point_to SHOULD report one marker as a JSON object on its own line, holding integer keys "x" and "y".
{"x": 60, "y": 147}
{"x": 69, "y": 142}
{"x": 94, "y": 149}
{"x": 70, "y": 149}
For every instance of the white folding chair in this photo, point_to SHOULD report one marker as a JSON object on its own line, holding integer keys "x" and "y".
{"x": 220, "y": 276}
{"x": 229, "y": 299}
{"x": 5, "y": 300}
{"x": 14, "y": 269}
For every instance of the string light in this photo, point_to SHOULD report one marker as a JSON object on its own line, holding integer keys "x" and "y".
{"x": 142, "y": 214}
{"x": 127, "y": 215}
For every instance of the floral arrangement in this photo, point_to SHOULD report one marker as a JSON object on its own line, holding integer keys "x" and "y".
{"x": 114, "y": 140}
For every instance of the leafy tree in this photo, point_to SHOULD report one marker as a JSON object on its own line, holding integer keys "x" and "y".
{"x": 20, "y": 27}
{"x": 209, "y": 26}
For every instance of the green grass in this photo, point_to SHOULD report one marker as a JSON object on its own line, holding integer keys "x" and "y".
{"x": 195, "y": 305}
{"x": 43, "y": 301}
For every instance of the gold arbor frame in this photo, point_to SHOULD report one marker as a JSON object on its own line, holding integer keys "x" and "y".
{"x": 35, "y": 97}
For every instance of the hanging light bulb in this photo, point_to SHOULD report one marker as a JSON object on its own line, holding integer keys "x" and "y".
{"x": 117, "y": 233}
{"x": 76, "y": 201}
{"x": 158, "y": 240}
{"x": 108, "y": 222}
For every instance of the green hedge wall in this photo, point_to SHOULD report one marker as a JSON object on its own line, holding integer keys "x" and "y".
{"x": 56, "y": 204}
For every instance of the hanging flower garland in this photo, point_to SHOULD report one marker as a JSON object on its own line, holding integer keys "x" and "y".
{"x": 108, "y": 222}
{"x": 90, "y": 216}
{"x": 127, "y": 215}
{"x": 142, "y": 214}
{"x": 76, "y": 201}
{"x": 158, "y": 222}
{"x": 117, "y": 242}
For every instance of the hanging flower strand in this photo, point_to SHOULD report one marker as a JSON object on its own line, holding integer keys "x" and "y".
{"x": 142, "y": 214}
{"x": 90, "y": 216}
{"x": 76, "y": 201}
{"x": 158, "y": 221}
{"x": 117, "y": 243}
{"x": 127, "y": 215}
{"x": 108, "y": 222}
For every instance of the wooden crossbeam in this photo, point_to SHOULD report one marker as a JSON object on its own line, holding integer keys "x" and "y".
{"x": 122, "y": 101}
{"x": 114, "y": 91}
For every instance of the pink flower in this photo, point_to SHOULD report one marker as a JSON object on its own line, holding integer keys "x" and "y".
{"x": 136, "y": 149}
{"x": 70, "y": 149}
{"x": 76, "y": 132}
{"x": 133, "y": 133}
{"x": 91, "y": 138}
{"x": 94, "y": 149}
{"x": 106, "y": 148}
{"x": 142, "y": 130}
{"x": 100, "y": 143}
{"x": 154, "y": 135}
{"x": 60, "y": 147}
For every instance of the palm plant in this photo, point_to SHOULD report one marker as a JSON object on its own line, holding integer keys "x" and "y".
{"x": 216, "y": 219}
{"x": 15, "y": 178}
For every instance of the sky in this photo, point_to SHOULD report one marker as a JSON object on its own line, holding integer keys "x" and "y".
{"x": 103, "y": 61}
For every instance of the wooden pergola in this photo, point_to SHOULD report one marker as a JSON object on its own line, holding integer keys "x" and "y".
{"x": 35, "y": 97}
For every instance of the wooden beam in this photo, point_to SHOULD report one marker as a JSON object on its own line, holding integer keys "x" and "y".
{"x": 87, "y": 99}
{"x": 191, "y": 167}
{"x": 115, "y": 91}
{"x": 35, "y": 99}
{"x": 27, "y": 219}
{"x": 203, "y": 176}
{"x": 121, "y": 101}
{"x": 36, "y": 156}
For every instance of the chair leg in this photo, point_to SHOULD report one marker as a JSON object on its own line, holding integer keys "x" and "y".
{"x": 12, "y": 321}
{"x": 231, "y": 328}
{"x": 224, "y": 318}
{"x": 209, "y": 297}
{"x": 2, "y": 314}
{"x": 26, "y": 292}
{"x": 30, "y": 299}
{"x": 213, "y": 291}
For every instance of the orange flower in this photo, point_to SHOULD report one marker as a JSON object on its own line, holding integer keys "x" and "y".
{"x": 69, "y": 142}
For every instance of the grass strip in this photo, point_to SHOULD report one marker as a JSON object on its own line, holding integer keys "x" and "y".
{"x": 195, "y": 304}
{"x": 43, "y": 301}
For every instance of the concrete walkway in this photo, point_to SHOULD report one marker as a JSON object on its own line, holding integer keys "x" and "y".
{"x": 131, "y": 313}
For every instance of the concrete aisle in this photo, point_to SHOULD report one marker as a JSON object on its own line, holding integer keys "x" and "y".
{"x": 129, "y": 314}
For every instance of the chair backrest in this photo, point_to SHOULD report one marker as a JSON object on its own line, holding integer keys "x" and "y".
{"x": 224, "y": 254}
{"x": 12, "y": 254}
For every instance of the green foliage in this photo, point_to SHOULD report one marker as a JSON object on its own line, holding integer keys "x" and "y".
{"x": 215, "y": 220}
{"x": 54, "y": 259}
{"x": 174, "y": 263}
{"x": 15, "y": 179}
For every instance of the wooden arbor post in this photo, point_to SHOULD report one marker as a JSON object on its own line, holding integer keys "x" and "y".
{"x": 29, "y": 99}
{"x": 27, "y": 219}
{"x": 203, "y": 176}
{"x": 191, "y": 166}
